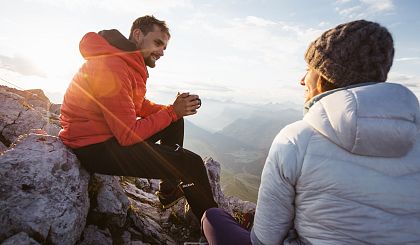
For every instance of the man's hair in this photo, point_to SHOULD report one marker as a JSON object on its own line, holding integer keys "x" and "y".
{"x": 146, "y": 24}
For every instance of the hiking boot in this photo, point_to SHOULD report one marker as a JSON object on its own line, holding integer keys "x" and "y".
{"x": 245, "y": 220}
{"x": 168, "y": 199}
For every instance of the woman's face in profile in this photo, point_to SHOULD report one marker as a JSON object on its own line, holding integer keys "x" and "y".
{"x": 309, "y": 81}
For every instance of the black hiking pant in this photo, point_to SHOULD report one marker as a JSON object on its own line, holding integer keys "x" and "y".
{"x": 147, "y": 159}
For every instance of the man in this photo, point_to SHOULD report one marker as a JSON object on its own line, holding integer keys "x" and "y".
{"x": 113, "y": 128}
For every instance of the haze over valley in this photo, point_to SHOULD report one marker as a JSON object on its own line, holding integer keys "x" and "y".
{"x": 239, "y": 137}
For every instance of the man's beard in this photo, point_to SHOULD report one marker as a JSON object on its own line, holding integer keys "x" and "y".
{"x": 150, "y": 62}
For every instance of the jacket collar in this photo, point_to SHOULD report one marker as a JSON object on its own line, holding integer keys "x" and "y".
{"x": 317, "y": 98}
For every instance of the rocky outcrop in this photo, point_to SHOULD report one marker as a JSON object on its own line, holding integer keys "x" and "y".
{"x": 229, "y": 203}
{"x": 111, "y": 204}
{"x": 46, "y": 197}
{"x": 93, "y": 235}
{"x": 34, "y": 97}
{"x": 21, "y": 238}
{"x": 43, "y": 191}
{"x": 19, "y": 115}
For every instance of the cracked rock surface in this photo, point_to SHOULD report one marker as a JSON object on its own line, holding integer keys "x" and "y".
{"x": 43, "y": 191}
{"x": 18, "y": 116}
{"x": 21, "y": 238}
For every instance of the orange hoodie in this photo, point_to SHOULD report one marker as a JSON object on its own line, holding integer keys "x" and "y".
{"x": 106, "y": 98}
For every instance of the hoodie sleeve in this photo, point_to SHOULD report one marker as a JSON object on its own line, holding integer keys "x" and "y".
{"x": 275, "y": 206}
{"x": 112, "y": 90}
{"x": 148, "y": 108}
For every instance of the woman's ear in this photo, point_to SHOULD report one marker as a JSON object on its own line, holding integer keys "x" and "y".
{"x": 323, "y": 85}
{"x": 320, "y": 84}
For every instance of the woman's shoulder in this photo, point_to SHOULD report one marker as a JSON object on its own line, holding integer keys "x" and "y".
{"x": 297, "y": 133}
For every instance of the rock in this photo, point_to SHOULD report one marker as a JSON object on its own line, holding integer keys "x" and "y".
{"x": 20, "y": 239}
{"x": 2, "y": 147}
{"x": 43, "y": 191}
{"x": 126, "y": 238}
{"x": 92, "y": 235}
{"x": 154, "y": 185}
{"x": 237, "y": 205}
{"x": 34, "y": 97}
{"x": 55, "y": 108}
{"x": 213, "y": 172}
{"x": 230, "y": 204}
{"x": 111, "y": 201}
{"x": 139, "y": 243}
{"x": 142, "y": 183}
{"x": 18, "y": 117}
{"x": 154, "y": 225}
{"x": 150, "y": 229}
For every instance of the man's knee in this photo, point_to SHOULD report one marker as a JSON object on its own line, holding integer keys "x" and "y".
{"x": 193, "y": 159}
{"x": 191, "y": 155}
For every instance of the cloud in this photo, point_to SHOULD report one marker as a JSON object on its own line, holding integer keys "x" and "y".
{"x": 364, "y": 8}
{"x": 265, "y": 40}
{"x": 410, "y": 81}
{"x": 21, "y": 65}
{"x": 324, "y": 24}
{"x": 258, "y": 21}
{"x": 408, "y": 59}
{"x": 399, "y": 77}
{"x": 246, "y": 52}
{"x": 411, "y": 85}
{"x": 405, "y": 79}
{"x": 128, "y": 6}
{"x": 379, "y": 5}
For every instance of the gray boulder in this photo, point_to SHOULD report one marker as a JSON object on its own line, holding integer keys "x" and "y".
{"x": 92, "y": 235}
{"x": 43, "y": 191}
{"x": 33, "y": 97}
{"x": 18, "y": 117}
{"x": 111, "y": 201}
{"x": 20, "y": 239}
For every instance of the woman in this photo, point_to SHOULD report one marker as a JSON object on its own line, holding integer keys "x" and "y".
{"x": 349, "y": 172}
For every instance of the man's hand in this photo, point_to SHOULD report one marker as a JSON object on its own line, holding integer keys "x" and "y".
{"x": 186, "y": 104}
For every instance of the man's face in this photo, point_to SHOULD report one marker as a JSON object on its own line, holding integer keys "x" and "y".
{"x": 151, "y": 45}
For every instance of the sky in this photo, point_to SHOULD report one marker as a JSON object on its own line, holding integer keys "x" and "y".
{"x": 245, "y": 51}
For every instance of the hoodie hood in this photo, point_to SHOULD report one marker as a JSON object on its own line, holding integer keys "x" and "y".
{"x": 375, "y": 120}
{"x": 94, "y": 46}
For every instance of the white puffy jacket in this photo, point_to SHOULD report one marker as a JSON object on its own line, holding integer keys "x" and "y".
{"x": 348, "y": 173}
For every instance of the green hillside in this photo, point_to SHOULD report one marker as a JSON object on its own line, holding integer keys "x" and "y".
{"x": 241, "y": 147}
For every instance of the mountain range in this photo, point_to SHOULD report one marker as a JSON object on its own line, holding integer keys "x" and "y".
{"x": 241, "y": 144}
